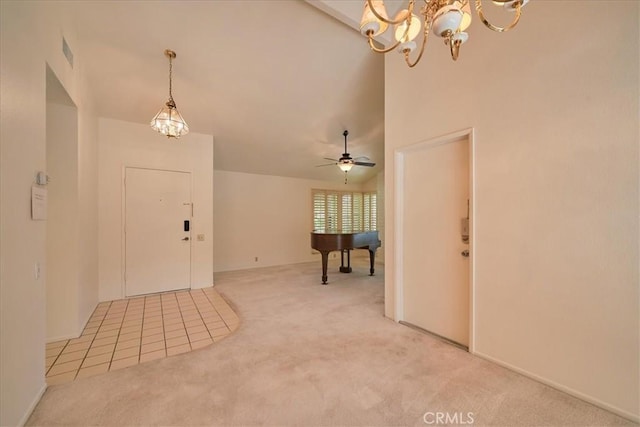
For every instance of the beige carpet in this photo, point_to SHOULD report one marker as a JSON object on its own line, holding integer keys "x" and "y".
{"x": 306, "y": 355}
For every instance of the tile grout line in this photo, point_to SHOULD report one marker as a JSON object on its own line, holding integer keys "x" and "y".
{"x": 216, "y": 309}
{"x": 220, "y": 314}
{"x": 200, "y": 314}
{"x": 56, "y": 359}
{"x": 184, "y": 325}
{"x": 227, "y": 326}
{"x": 144, "y": 312}
{"x": 151, "y": 299}
{"x": 93, "y": 339}
{"x": 115, "y": 344}
{"x": 164, "y": 330}
{"x": 166, "y": 345}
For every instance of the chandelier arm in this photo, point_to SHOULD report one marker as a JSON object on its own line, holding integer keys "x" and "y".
{"x": 454, "y": 46}
{"x": 518, "y": 5}
{"x": 385, "y": 50}
{"x": 396, "y": 44}
{"x": 425, "y": 37}
{"x": 428, "y": 18}
{"x": 390, "y": 21}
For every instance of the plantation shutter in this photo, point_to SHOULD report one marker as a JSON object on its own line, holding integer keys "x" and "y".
{"x": 347, "y": 213}
{"x": 367, "y": 211}
{"x": 333, "y": 218}
{"x": 319, "y": 211}
{"x": 370, "y": 211}
{"x": 357, "y": 212}
{"x": 343, "y": 211}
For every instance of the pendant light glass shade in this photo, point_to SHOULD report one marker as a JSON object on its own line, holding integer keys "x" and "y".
{"x": 169, "y": 121}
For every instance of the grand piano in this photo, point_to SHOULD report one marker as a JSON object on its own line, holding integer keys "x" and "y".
{"x": 325, "y": 242}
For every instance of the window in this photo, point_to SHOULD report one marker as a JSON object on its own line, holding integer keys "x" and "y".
{"x": 344, "y": 211}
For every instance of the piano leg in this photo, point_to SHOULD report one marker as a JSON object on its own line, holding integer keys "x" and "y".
{"x": 372, "y": 260}
{"x": 325, "y": 260}
{"x": 346, "y": 269}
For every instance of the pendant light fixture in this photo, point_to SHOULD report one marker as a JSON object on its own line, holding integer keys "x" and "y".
{"x": 168, "y": 121}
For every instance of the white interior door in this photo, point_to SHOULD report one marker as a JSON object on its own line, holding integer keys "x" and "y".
{"x": 435, "y": 272}
{"x": 157, "y": 247}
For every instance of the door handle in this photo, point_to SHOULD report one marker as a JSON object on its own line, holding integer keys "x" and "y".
{"x": 186, "y": 238}
{"x": 465, "y": 253}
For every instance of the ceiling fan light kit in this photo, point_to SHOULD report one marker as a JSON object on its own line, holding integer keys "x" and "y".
{"x": 169, "y": 121}
{"x": 445, "y": 18}
{"x": 346, "y": 162}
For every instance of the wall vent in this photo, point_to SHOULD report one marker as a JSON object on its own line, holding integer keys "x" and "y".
{"x": 67, "y": 52}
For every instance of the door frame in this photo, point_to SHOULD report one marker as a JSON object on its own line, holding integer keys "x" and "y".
{"x": 123, "y": 222}
{"x": 399, "y": 176}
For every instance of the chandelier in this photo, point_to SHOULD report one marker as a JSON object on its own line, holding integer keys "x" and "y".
{"x": 168, "y": 121}
{"x": 446, "y": 18}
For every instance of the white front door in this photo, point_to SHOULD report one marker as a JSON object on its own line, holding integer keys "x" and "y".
{"x": 435, "y": 271}
{"x": 157, "y": 245}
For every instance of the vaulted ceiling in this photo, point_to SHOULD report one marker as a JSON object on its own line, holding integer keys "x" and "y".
{"x": 275, "y": 82}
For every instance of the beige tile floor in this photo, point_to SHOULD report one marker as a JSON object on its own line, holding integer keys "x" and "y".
{"x": 126, "y": 332}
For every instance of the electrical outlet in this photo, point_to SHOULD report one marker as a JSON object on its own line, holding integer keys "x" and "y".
{"x": 200, "y": 237}
{"x": 36, "y": 271}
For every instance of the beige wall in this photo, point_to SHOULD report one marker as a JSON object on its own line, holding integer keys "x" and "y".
{"x": 262, "y": 216}
{"x": 124, "y": 144}
{"x": 62, "y": 218}
{"x": 87, "y": 212}
{"x": 555, "y": 113}
{"x": 30, "y": 39}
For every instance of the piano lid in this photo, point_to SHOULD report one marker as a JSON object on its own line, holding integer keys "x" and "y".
{"x": 342, "y": 232}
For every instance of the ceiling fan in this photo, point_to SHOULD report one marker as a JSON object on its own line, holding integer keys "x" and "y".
{"x": 346, "y": 162}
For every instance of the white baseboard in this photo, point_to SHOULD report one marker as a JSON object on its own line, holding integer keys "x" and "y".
{"x": 201, "y": 286}
{"x": 33, "y": 404}
{"x": 565, "y": 389}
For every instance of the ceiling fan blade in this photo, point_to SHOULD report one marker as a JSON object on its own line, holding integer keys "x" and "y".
{"x": 332, "y": 160}
{"x": 361, "y": 158}
{"x": 328, "y": 164}
{"x": 364, "y": 164}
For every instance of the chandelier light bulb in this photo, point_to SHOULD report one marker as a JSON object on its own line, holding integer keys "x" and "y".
{"x": 370, "y": 23}
{"x": 466, "y": 16}
{"x": 407, "y": 31}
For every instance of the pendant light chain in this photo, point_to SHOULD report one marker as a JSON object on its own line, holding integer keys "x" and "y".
{"x": 171, "y": 80}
